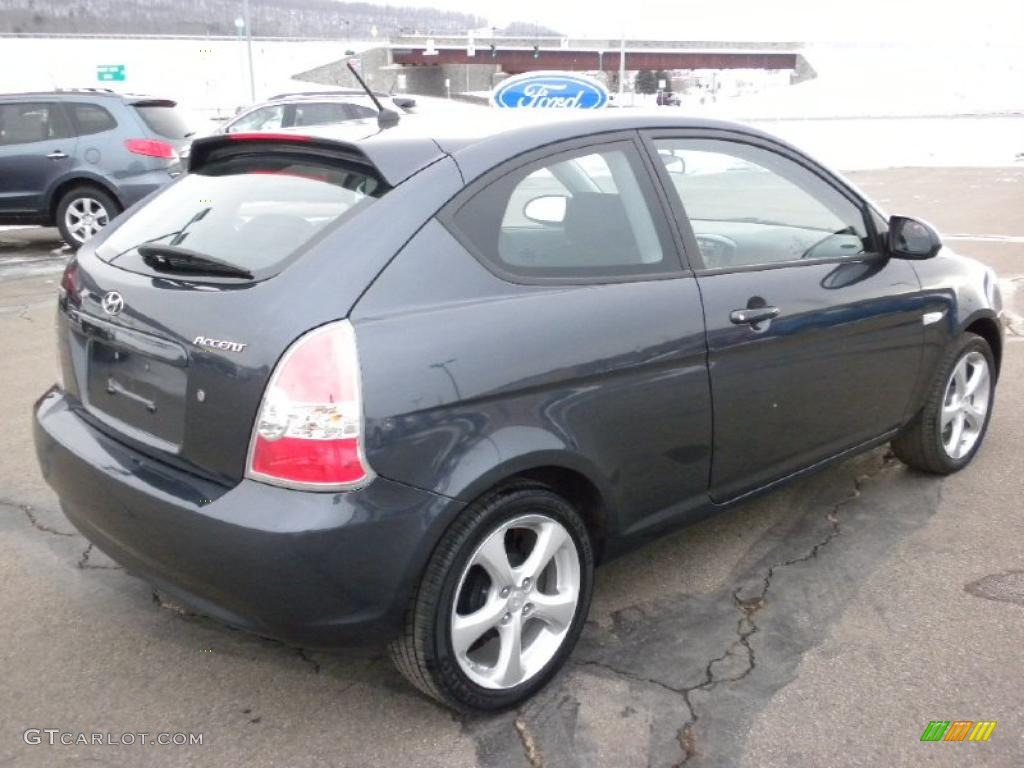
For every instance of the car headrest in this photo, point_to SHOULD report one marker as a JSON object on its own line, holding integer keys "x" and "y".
{"x": 596, "y": 223}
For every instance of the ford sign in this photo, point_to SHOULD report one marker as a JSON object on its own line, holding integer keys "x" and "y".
{"x": 550, "y": 90}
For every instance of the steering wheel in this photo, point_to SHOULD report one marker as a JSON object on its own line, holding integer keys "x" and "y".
{"x": 809, "y": 253}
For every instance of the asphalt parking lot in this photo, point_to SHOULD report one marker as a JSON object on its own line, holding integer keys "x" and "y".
{"x": 824, "y": 625}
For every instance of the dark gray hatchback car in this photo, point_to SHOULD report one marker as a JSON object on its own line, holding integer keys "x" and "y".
{"x": 76, "y": 159}
{"x": 411, "y": 385}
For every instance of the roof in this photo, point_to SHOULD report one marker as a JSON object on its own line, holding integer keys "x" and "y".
{"x": 298, "y": 95}
{"x": 480, "y": 139}
{"x": 93, "y": 93}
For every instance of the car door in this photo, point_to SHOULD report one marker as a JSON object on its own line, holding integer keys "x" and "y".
{"x": 589, "y": 333}
{"x": 814, "y": 335}
{"x": 36, "y": 147}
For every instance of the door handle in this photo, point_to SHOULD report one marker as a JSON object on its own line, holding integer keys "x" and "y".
{"x": 57, "y": 155}
{"x": 751, "y": 316}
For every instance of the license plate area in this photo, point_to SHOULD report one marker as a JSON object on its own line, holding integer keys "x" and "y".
{"x": 140, "y": 395}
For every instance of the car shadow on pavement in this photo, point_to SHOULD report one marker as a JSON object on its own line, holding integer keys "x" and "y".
{"x": 670, "y": 669}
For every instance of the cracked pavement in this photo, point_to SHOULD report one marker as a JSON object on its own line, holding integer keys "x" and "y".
{"x": 824, "y": 624}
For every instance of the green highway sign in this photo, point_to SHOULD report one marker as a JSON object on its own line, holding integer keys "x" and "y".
{"x": 107, "y": 73}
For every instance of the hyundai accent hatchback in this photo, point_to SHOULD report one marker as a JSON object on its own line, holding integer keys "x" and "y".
{"x": 411, "y": 385}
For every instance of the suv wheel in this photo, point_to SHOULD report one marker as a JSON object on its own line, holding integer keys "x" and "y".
{"x": 84, "y": 211}
{"x": 948, "y": 431}
{"x": 502, "y": 602}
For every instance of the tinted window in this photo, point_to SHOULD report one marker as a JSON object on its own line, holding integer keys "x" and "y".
{"x": 750, "y": 206}
{"x": 263, "y": 119}
{"x": 583, "y": 214}
{"x": 28, "y": 122}
{"x": 322, "y": 114}
{"x": 163, "y": 120}
{"x": 91, "y": 118}
{"x": 252, "y": 212}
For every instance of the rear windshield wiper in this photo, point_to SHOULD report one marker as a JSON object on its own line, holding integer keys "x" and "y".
{"x": 174, "y": 258}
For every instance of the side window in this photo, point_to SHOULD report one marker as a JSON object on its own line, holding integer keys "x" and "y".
{"x": 359, "y": 112}
{"x": 91, "y": 118}
{"x": 580, "y": 214}
{"x": 29, "y": 122}
{"x": 321, "y": 114}
{"x": 750, "y": 206}
{"x": 264, "y": 119}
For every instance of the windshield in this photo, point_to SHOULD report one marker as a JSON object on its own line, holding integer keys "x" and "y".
{"x": 250, "y": 212}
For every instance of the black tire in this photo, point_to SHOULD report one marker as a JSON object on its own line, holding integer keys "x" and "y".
{"x": 424, "y": 652}
{"x": 920, "y": 444}
{"x": 80, "y": 193}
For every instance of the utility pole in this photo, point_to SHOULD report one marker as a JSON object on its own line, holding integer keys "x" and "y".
{"x": 622, "y": 67}
{"x": 248, "y": 42}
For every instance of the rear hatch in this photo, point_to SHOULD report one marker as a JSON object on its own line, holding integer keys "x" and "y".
{"x": 172, "y": 322}
{"x": 165, "y": 125}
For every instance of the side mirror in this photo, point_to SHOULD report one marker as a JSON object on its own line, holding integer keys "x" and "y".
{"x": 546, "y": 209}
{"x": 403, "y": 102}
{"x": 912, "y": 239}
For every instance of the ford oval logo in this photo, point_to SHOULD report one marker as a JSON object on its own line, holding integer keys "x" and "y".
{"x": 550, "y": 90}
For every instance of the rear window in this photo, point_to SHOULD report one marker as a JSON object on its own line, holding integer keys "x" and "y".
{"x": 163, "y": 121}
{"x": 252, "y": 212}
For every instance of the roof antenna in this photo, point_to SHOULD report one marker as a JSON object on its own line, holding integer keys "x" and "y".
{"x": 385, "y": 117}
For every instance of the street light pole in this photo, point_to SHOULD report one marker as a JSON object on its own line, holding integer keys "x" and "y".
{"x": 622, "y": 67}
{"x": 248, "y": 42}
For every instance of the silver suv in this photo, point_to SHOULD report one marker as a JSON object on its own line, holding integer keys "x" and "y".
{"x": 300, "y": 110}
{"x": 76, "y": 159}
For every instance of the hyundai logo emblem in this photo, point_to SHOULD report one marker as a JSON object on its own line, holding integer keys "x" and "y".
{"x": 113, "y": 303}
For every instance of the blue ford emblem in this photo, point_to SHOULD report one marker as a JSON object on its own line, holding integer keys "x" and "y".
{"x": 550, "y": 90}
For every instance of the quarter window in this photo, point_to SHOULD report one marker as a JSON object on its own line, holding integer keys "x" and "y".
{"x": 749, "y": 206}
{"x": 91, "y": 118}
{"x": 583, "y": 214}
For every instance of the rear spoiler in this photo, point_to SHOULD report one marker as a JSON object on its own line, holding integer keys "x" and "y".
{"x": 393, "y": 162}
{"x": 146, "y": 101}
{"x": 219, "y": 145}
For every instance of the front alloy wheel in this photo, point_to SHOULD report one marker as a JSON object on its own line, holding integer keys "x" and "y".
{"x": 965, "y": 406}
{"x": 950, "y": 427}
{"x": 502, "y": 602}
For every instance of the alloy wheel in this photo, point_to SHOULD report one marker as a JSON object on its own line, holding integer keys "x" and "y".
{"x": 84, "y": 217}
{"x": 965, "y": 405}
{"x": 515, "y": 601}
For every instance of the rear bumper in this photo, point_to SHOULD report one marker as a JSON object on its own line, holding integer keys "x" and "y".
{"x": 313, "y": 569}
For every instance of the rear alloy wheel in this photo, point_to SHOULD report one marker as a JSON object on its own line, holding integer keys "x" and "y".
{"x": 502, "y": 603}
{"x": 948, "y": 431}
{"x": 82, "y": 213}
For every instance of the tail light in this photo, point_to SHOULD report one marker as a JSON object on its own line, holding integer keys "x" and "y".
{"x": 68, "y": 288}
{"x": 309, "y": 430}
{"x": 151, "y": 148}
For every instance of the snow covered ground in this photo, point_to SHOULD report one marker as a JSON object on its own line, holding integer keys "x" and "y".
{"x": 871, "y": 106}
{"x": 209, "y": 78}
{"x": 850, "y": 144}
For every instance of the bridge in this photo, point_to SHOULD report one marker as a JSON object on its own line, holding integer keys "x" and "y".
{"x": 524, "y": 54}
